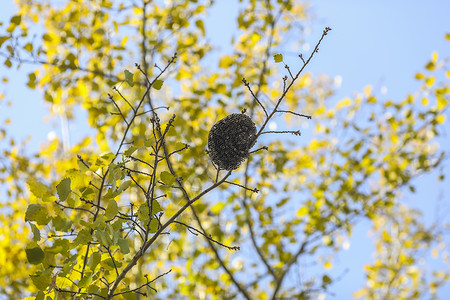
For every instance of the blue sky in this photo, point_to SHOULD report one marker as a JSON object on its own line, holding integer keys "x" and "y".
{"x": 382, "y": 43}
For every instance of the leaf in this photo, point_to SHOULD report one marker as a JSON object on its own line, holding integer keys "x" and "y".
{"x": 31, "y": 80}
{"x": 41, "y": 280}
{"x": 111, "y": 210}
{"x": 83, "y": 237}
{"x": 154, "y": 225}
{"x": 167, "y": 178}
{"x": 16, "y": 19}
{"x": 102, "y": 237}
{"x": 123, "y": 244}
{"x": 85, "y": 281}
{"x": 35, "y": 255}
{"x": 8, "y": 63}
{"x": 129, "y": 77}
{"x": 38, "y": 189}
{"x": 302, "y": 211}
{"x": 130, "y": 150}
{"x": 156, "y": 208}
{"x": 326, "y": 280}
{"x": 3, "y": 39}
{"x": 124, "y": 186}
{"x": 278, "y": 58}
{"x": 63, "y": 189}
{"x": 61, "y": 223}
{"x": 157, "y": 84}
{"x": 36, "y": 232}
{"x": 94, "y": 260}
{"x": 28, "y": 47}
{"x": 37, "y": 213}
{"x": 40, "y": 296}
{"x": 142, "y": 214}
{"x": 217, "y": 208}
{"x": 201, "y": 26}
{"x": 440, "y": 119}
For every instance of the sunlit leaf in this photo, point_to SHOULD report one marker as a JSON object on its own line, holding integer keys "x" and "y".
{"x": 157, "y": 84}
{"x": 167, "y": 178}
{"x": 278, "y": 58}
{"x": 63, "y": 189}
{"x": 129, "y": 78}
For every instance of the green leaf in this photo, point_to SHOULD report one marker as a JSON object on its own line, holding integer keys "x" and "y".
{"x": 40, "y": 296}
{"x": 111, "y": 210}
{"x": 201, "y": 26}
{"x": 3, "y": 39}
{"x": 142, "y": 214}
{"x": 129, "y": 77}
{"x": 158, "y": 84}
{"x": 85, "y": 281}
{"x": 37, "y": 213}
{"x": 8, "y": 63}
{"x": 16, "y": 19}
{"x": 35, "y": 255}
{"x": 63, "y": 189}
{"x": 167, "y": 178}
{"x": 28, "y": 47}
{"x": 102, "y": 237}
{"x": 31, "y": 80}
{"x": 36, "y": 233}
{"x": 83, "y": 237}
{"x": 123, "y": 244}
{"x": 156, "y": 208}
{"x": 41, "y": 280}
{"x": 154, "y": 225}
{"x": 326, "y": 280}
{"x": 94, "y": 260}
{"x": 278, "y": 58}
{"x": 124, "y": 186}
{"x": 130, "y": 150}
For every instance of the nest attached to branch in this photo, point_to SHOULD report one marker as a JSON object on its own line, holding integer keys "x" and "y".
{"x": 230, "y": 140}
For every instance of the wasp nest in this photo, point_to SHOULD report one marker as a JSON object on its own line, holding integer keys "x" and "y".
{"x": 230, "y": 139}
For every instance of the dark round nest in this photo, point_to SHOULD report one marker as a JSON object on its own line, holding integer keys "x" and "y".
{"x": 230, "y": 140}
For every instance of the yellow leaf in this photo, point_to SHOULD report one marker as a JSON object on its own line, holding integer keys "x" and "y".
{"x": 430, "y": 81}
{"x": 425, "y": 101}
{"x": 368, "y": 91}
{"x": 441, "y": 103}
{"x": 302, "y": 211}
{"x": 327, "y": 265}
{"x": 434, "y": 56}
{"x": 344, "y": 102}
{"x": 440, "y": 119}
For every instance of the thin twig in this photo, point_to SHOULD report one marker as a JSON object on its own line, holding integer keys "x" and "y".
{"x": 208, "y": 237}
{"x": 294, "y": 113}
{"x": 118, "y": 108}
{"x": 255, "y": 190}
{"x": 294, "y": 132}
{"x": 254, "y": 96}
